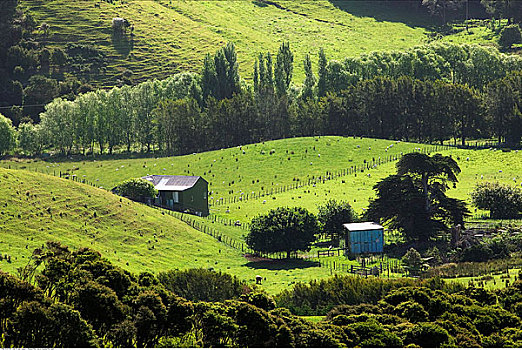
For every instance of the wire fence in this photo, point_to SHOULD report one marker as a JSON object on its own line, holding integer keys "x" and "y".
{"x": 327, "y": 176}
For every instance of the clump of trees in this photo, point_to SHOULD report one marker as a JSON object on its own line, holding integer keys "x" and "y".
{"x": 136, "y": 189}
{"x": 332, "y": 215}
{"x": 414, "y": 200}
{"x": 79, "y": 299}
{"x": 282, "y": 230}
{"x": 7, "y": 135}
{"x": 432, "y": 93}
{"x": 502, "y": 201}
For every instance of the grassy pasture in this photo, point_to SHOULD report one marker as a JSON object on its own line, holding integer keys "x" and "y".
{"x": 241, "y": 171}
{"x": 490, "y": 281}
{"x": 174, "y": 36}
{"x": 235, "y": 171}
{"x": 35, "y": 208}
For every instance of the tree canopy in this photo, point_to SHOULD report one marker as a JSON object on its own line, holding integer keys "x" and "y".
{"x": 136, "y": 189}
{"x": 332, "y": 215}
{"x": 414, "y": 200}
{"x": 282, "y": 230}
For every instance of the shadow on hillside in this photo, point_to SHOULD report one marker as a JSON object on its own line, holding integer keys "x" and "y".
{"x": 122, "y": 43}
{"x": 389, "y": 11}
{"x": 282, "y": 264}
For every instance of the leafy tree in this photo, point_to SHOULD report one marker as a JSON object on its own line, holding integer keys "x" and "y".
{"x": 322, "y": 81}
{"x": 282, "y": 230}
{"x": 29, "y": 138}
{"x": 99, "y": 305}
{"x": 136, "y": 189}
{"x": 414, "y": 200}
{"x": 307, "y": 91}
{"x": 283, "y": 69}
{"x": 440, "y": 7}
{"x": 413, "y": 261}
{"x": 510, "y": 35}
{"x": 333, "y": 215}
{"x": 500, "y": 100}
{"x": 7, "y": 135}
{"x": 502, "y": 201}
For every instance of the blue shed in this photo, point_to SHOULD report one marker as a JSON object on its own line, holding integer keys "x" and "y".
{"x": 363, "y": 237}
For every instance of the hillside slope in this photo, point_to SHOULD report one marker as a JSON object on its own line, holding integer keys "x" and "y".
{"x": 35, "y": 208}
{"x": 173, "y": 36}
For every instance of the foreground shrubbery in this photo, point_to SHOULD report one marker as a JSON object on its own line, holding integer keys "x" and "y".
{"x": 79, "y": 299}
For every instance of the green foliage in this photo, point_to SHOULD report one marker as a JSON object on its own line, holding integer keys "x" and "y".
{"x": 260, "y": 300}
{"x": 414, "y": 200}
{"x": 7, "y": 135}
{"x": 332, "y": 215}
{"x": 319, "y": 297}
{"x": 510, "y": 35}
{"x": 283, "y": 69}
{"x": 136, "y": 189}
{"x": 427, "y": 335}
{"x": 30, "y": 138}
{"x": 413, "y": 261}
{"x": 202, "y": 284}
{"x": 502, "y": 201}
{"x": 282, "y": 230}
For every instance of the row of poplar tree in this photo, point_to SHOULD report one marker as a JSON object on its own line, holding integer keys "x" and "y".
{"x": 429, "y": 93}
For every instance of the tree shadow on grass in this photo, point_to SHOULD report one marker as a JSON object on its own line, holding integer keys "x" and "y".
{"x": 389, "y": 11}
{"x": 281, "y": 264}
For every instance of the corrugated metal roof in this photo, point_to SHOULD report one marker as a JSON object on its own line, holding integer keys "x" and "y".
{"x": 172, "y": 182}
{"x": 363, "y": 226}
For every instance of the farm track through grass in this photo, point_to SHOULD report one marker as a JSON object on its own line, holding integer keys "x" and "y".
{"x": 174, "y": 36}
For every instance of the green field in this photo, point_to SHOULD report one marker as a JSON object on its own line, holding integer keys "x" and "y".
{"x": 251, "y": 169}
{"x": 490, "y": 281}
{"x": 235, "y": 171}
{"x": 174, "y": 36}
{"x": 35, "y": 208}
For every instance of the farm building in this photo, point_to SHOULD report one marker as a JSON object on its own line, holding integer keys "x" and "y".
{"x": 181, "y": 193}
{"x": 363, "y": 237}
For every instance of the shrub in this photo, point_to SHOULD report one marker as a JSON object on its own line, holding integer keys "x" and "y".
{"x": 202, "y": 285}
{"x": 7, "y": 135}
{"x": 509, "y": 36}
{"x": 503, "y": 201}
{"x": 136, "y": 189}
{"x": 426, "y": 335}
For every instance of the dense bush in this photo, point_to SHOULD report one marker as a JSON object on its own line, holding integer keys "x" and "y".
{"x": 510, "y": 35}
{"x": 136, "y": 189}
{"x": 203, "y": 285}
{"x": 82, "y": 300}
{"x": 503, "y": 201}
{"x": 7, "y": 135}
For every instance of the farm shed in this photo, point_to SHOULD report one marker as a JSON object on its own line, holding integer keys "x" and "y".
{"x": 181, "y": 193}
{"x": 363, "y": 237}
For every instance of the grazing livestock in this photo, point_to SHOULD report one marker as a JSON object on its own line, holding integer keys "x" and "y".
{"x": 259, "y": 279}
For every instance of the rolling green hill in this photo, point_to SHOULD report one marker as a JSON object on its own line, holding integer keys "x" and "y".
{"x": 174, "y": 36}
{"x": 36, "y": 208}
{"x": 234, "y": 171}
